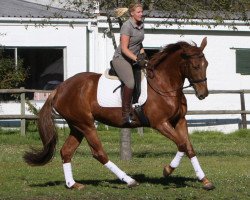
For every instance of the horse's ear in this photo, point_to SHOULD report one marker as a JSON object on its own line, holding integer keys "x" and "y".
{"x": 203, "y": 43}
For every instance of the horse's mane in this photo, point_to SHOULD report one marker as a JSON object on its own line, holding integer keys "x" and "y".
{"x": 168, "y": 50}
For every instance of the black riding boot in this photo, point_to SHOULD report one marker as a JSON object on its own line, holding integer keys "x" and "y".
{"x": 127, "y": 116}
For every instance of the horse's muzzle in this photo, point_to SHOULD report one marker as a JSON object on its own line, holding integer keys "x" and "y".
{"x": 201, "y": 97}
{"x": 201, "y": 90}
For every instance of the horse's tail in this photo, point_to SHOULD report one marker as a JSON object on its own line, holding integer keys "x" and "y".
{"x": 48, "y": 135}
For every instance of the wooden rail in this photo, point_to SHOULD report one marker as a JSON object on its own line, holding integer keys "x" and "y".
{"x": 243, "y": 112}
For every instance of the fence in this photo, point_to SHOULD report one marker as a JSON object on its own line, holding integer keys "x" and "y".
{"x": 243, "y": 112}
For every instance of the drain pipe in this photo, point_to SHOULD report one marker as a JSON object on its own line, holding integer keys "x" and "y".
{"x": 88, "y": 31}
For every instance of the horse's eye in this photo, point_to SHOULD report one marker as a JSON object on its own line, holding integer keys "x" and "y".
{"x": 196, "y": 67}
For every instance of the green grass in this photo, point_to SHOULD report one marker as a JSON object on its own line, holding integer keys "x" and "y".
{"x": 225, "y": 160}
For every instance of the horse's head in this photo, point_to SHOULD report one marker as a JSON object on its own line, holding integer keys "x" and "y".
{"x": 195, "y": 65}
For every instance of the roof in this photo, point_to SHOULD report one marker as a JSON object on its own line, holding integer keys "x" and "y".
{"x": 24, "y": 9}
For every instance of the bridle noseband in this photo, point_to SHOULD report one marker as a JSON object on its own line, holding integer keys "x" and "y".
{"x": 192, "y": 82}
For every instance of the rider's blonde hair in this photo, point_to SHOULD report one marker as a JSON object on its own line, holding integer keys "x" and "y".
{"x": 119, "y": 12}
{"x": 133, "y": 6}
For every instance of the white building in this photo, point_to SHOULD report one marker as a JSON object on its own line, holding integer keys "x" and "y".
{"x": 71, "y": 42}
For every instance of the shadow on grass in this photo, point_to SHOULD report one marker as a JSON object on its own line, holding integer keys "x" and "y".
{"x": 169, "y": 182}
{"x": 148, "y": 154}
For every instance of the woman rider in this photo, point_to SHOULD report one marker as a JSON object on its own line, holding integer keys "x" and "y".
{"x": 127, "y": 53}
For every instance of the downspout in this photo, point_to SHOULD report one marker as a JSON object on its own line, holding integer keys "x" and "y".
{"x": 88, "y": 31}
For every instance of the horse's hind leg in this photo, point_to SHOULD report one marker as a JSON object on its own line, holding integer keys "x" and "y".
{"x": 67, "y": 152}
{"x": 100, "y": 155}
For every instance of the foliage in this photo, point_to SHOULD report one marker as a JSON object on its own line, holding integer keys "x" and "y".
{"x": 12, "y": 75}
{"x": 218, "y": 10}
{"x": 182, "y": 9}
{"x": 31, "y": 125}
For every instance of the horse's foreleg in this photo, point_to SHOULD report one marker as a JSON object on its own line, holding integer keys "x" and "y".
{"x": 187, "y": 147}
{"x": 180, "y": 136}
{"x": 168, "y": 131}
{"x": 67, "y": 152}
{"x": 100, "y": 155}
{"x": 168, "y": 169}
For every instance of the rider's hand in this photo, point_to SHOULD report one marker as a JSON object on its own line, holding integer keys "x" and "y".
{"x": 142, "y": 60}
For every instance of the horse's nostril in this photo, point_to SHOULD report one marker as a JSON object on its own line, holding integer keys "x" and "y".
{"x": 201, "y": 97}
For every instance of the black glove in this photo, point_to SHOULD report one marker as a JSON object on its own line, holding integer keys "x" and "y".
{"x": 142, "y": 60}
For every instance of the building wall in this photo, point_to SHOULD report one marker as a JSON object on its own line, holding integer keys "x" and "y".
{"x": 73, "y": 40}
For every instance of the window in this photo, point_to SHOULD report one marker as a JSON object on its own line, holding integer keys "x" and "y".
{"x": 243, "y": 61}
{"x": 44, "y": 65}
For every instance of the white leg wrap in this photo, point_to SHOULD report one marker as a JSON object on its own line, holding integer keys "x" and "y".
{"x": 177, "y": 159}
{"x": 67, "y": 169}
{"x": 197, "y": 168}
{"x": 119, "y": 173}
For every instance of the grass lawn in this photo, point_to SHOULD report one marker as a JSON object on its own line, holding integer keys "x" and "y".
{"x": 225, "y": 160}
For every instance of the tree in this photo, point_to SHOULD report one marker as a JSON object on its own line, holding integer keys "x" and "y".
{"x": 12, "y": 74}
{"x": 179, "y": 10}
{"x": 218, "y": 10}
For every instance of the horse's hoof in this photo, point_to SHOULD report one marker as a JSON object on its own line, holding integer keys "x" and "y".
{"x": 167, "y": 170}
{"x": 77, "y": 186}
{"x": 208, "y": 186}
{"x": 133, "y": 184}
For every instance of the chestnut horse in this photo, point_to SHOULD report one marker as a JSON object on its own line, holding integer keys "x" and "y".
{"x": 76, "y": 101}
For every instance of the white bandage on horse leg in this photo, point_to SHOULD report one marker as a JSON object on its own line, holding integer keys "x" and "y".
{"x": 177, "y": 159}
{"x": 119, "y": 173}
{"x": 67, "y": 169}
{"x": 197, "y": 168}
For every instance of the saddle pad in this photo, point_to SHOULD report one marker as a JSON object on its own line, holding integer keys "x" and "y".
{"x": 106, "y": 97}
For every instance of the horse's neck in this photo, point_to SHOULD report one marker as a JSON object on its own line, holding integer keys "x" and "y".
{"x": 168, "y": 74}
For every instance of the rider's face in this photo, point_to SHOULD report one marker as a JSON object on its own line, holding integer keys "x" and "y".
{"x": 137, "y": 14}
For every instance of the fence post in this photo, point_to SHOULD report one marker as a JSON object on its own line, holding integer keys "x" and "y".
{"x": 140, "y": 131}
{"x": 23, "y": 121}
{"x": 243, "y": 108}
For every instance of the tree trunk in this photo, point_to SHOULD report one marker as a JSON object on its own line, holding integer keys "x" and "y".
{"x": 125, "y": 144}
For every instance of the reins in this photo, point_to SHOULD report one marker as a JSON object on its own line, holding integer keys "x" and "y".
{"x": 163, "y": 93}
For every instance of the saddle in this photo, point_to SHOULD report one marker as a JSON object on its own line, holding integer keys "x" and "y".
{"x": 137, "y": 77}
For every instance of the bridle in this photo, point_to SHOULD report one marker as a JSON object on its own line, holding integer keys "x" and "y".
{"x": 192, "y": 82}
{"x": 150, "y": 70}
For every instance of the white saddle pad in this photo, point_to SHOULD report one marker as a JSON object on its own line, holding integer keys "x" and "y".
{"x": 106, "y": 97}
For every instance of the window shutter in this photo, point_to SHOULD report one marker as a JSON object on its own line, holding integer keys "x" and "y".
{"x": 243, "y": 61}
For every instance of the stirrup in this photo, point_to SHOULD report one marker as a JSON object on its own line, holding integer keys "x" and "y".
{"x": 129, "y": 121}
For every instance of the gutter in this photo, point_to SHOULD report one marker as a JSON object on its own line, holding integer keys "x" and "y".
{"x": 46, "y": 20}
